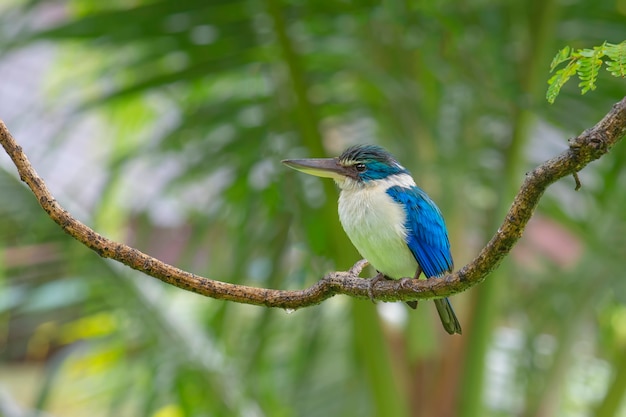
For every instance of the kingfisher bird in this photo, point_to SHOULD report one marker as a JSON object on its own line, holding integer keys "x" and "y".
{"x": 393, "y": 224}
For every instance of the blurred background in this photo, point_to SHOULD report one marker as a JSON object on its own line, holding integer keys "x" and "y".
{"x": 162, "y": 124}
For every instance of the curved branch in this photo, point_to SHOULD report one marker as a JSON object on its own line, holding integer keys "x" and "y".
{"x": 588, "y": 146}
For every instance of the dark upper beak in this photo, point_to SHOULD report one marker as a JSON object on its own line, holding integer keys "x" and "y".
{"x": 320, "y": 167}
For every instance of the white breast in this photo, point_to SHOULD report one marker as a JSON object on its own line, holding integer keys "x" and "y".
{"x": 374, "y": 222}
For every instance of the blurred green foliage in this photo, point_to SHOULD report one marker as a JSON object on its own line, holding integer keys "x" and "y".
{"x": 198, "y": 103}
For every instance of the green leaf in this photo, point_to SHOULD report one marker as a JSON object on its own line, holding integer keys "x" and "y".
{"x": 589, "y": 68}
{"x": 561, "y": 56}
{"x": 585, "y": 53}
{"x": 616, "y": 64}
{"x": 588, "y": 64}
{"x": 557, "y": 81}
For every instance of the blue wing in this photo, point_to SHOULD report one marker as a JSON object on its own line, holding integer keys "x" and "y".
{"x": 427, "y": 235}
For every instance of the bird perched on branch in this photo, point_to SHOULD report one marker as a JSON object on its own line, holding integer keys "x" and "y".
{"x": 392, "y": 222}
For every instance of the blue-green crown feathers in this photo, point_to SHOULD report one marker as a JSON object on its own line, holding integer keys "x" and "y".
{"x": 378, "y": 162}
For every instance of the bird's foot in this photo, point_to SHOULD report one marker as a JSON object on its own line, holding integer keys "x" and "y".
{"x": 418, "y": 272}
{"x": 404, "y": 282}
{"x": 372, "y": 282}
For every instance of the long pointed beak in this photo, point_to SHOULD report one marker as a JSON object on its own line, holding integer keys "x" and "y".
{"x": 320, "y": 167}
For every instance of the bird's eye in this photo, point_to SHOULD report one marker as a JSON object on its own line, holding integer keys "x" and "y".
{"x": 360, "y": 167}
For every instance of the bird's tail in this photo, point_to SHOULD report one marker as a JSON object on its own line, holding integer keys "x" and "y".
{"x": 447, "y": 316}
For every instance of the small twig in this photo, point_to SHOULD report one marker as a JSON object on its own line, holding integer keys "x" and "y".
{"x": 357, "y": 268}
{"x": 588, "y": 146}
{"x": 577, "y": 181}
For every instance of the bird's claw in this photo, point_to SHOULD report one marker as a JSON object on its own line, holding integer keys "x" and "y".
{"x": 404, "y": 282}
{"x": 372, "y": 283}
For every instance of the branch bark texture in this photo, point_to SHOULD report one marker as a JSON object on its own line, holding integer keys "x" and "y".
{"x": 590, "y": 145}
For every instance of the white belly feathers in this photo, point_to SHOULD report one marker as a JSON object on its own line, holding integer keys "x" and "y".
{"x": 374, "y": 222}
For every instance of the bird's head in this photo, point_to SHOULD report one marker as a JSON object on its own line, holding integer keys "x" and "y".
{"x": 357, "y": 166}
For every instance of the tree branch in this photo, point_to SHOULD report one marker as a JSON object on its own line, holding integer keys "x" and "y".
{"x": 588, "y": 146}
